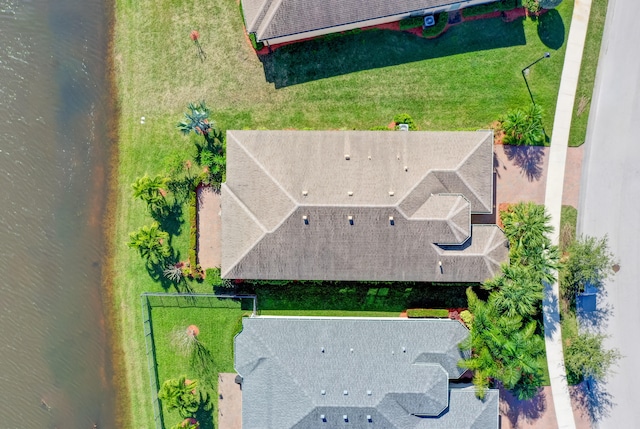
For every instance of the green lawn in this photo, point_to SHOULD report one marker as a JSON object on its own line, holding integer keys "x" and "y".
{"x": 588, "y": 68}
{"x": 218, "y": 327}
{"x": 461, "y": 81}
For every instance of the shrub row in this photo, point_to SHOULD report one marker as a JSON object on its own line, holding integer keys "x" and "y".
{"x": 441, "y": 22}
{"x": 413, "y": 22}
{"x": 425, "y": 312}
{"x": 194, "y": 268}
{"x": 483, "y": 9}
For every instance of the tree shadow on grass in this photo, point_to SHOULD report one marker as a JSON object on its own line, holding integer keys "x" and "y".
{"x": 551, "y": 314}
{"x": 171, "y": 219}
{"x": 551, "y": 29}
{"x": 528, "y": 158}
{"x": 343, "y": 54}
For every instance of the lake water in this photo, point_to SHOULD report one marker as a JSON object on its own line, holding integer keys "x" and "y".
{"x": 55, "y": 364}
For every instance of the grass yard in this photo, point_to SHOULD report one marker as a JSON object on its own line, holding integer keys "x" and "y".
{"x": 588, "y": 68}
{"x": 218, "y": 327}
{"x": 461, "y": 81}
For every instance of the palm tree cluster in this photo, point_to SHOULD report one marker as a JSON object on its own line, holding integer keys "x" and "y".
{"x": 506, "y": 332}
{"x": 151, "y": 242}
{"x": 524, "y": 127}
{"x": 151, "y": 190}
{"x": 180, "y": 394}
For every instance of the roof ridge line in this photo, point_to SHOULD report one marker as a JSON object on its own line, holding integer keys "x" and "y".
{"x": 464, "y": 160}
{"x": 254, "y": 218}
{"x": 274, "y": 5}
{"x": 259, "y": 164}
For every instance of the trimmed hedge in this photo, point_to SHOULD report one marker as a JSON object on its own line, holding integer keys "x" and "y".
{"x": 483, "y": 9}
{"x": 193, "y": 235}
{"x": 425, "y": 312}
{"x": 441, "y": 22}
{"x": 413, "y": 22}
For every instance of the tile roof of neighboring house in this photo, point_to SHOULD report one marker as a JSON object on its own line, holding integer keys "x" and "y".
{"x": 277, "y": 18}
{"x": 359, "y": 205}
{"x": 396, "y": 372}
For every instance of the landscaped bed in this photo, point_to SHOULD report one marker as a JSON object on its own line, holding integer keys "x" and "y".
{"x": 463, "y": 80}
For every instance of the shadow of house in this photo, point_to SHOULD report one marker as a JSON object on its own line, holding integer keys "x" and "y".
{"x": 343, "y": 54}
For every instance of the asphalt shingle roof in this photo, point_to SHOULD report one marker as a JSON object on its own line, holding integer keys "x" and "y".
{"x": 359, "y": 205}
{"x": 296, "y": 370}
{"x": 276, "y": 18}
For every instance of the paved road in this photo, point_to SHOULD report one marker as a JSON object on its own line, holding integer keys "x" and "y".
{"x": 610, "y": 199}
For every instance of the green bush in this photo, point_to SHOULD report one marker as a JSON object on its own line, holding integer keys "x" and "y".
{"x": 413, "y": 22}
{"x": 256, "y": 45}
{"x": 481, "y": 9}
{"x": 466, "y": 317}
{"x": 441, "y": 22}
{"x": 424, "y": 312}
{"x": 524, "y": 127}
{"x": 533, "y": 6}
{"x": 213, "y": 277}
{"x": 380, "y": 128}
{"x": 404, "y": 118}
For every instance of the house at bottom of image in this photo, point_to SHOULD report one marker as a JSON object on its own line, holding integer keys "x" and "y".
{"x": 360, "y": 205}
{"x": 358, "y": 373}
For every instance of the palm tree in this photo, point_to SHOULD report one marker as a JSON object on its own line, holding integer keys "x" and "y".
{"x": 151, "y": 242}
{"x": 516, "y": 292}
{"x": 524, "y": 127}
{"x": 526, "y": 225}
{"x": 197, "y": 120}
{"x": 151, "y": 191}
{"x": 180, "y": 394}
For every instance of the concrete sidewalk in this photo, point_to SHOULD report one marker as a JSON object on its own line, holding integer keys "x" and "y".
{"x": 553, "y": 202}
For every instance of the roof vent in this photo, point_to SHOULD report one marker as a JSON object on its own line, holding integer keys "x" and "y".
{"x": 391, "y": 221}
{"x": 305, "y": 219}
{"x": 369, "y": 157}
{"x": 345, "y": 393}
{"x": 404, "y": 349}
{"x": 368, "y": 392}
{"x": 398, "y": 157}
{"x": 369, "y": 418}
{"x": 347, "y": 157}
{"x": 323, "y": 392}
{"x": 350, "y": 193}
{"x": 305, "y": 193}
{"x": 322, "y": 349}
{"x": 350, "y": 218}
{"x": 323, "y": 418}
{"x": 344, "y": 416}
{"x": 391, "y": 193}
{"x": 406, "y": 168}
{"x": 351, "y": 350}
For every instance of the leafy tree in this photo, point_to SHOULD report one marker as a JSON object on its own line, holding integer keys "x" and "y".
{"x": 532, "y": 6}
{"x": 589, "y": 262}
{"x": 586, "y": 357}
{"x": 524, "y": 127}
{"x": 151, "y": 242}
{"x": 179, "y": 394}
{"x": 151, "y": 191}
{"x": 196, "y": 119}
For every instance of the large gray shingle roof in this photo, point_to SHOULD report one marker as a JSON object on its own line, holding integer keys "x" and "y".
{"x": 296, "y": 370}
{"x": 276, "y": 18}
{"x": 349, "y": 185}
